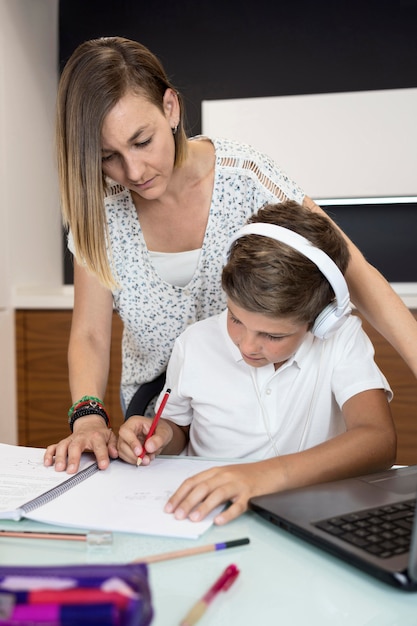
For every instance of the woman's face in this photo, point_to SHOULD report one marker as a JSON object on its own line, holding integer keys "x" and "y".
{"x": 138, "y": 148}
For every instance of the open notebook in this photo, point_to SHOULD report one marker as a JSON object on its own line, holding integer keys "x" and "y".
{"x": 122, "y": 498}
{"x": 367, "y": 521}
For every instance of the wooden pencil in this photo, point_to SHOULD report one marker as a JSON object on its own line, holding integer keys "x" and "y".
{"x": 29, "y": 534}
{"x": 178, "y": 554}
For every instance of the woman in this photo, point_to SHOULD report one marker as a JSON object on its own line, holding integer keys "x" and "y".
{"x": 149, "y": 213}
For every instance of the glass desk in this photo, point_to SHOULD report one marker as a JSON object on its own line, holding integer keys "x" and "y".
{"x": 282, "y": 579}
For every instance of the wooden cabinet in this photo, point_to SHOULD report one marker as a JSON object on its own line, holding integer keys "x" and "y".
{"x": 42, "y": 376}
{"x": 44, "y": 398}
{"x": 404, "y": 386}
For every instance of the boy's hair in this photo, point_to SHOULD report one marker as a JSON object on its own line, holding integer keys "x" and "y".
{"x": 97, "y": 75}
{"x": 266, "y": 276}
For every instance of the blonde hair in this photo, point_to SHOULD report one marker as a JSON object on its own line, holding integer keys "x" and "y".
{"x": 97, "y": 75}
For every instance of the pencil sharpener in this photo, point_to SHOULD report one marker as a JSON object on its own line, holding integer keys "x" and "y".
{"x": 96, "y": 538}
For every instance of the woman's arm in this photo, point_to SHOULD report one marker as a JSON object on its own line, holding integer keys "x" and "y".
{"x": 88, "y": 361}
{"x": 368, "y": 445}
{"x": 378, "y": 302}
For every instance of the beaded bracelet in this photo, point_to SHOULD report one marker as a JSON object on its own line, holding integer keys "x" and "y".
{"x": 90, "y": 408}
{"x": 83, "y": 400}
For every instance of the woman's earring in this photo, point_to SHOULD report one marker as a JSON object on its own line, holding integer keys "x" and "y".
{"x": 174, "y": 130}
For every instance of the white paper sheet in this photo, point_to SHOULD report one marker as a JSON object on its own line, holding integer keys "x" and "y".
{"x": 127, "y": 498}
{"x": 122, "y": 498}
{"x": 24, "y": 477}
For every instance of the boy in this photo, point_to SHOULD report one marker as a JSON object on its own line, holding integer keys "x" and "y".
{"x": 285, "y": 377}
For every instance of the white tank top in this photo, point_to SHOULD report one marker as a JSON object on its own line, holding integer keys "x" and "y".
{"x": 176, "y": 268}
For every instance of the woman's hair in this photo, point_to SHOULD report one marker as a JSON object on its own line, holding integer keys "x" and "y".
{"x": 265, "y": 276}
{"x": 97, "y": 75}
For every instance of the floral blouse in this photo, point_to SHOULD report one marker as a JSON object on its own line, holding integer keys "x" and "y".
{"x": 154, "y": 312}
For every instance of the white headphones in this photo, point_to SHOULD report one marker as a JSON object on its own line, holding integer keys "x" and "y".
{"x": 334, "y": 314}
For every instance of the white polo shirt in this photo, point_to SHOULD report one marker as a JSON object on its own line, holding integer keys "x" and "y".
{"x": 238, "y": 411}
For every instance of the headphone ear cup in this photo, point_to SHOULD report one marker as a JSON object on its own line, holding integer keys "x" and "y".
{"x": 327, "y": 322}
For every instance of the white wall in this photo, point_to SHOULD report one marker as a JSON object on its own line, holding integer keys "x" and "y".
{"x": 333, "y": 145}
{"x": 30, "y": 222}
{"x": 8, "y": 418}
{"x": 29, "y": 59}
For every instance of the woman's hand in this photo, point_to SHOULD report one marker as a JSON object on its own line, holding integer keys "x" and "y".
{"x": 200, "y": 494}
{"x": 132, "y": 435}
{"x": 90, "y": 433}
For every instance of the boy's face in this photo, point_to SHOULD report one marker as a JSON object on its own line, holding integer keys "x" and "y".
{"x": 262, "y": 339}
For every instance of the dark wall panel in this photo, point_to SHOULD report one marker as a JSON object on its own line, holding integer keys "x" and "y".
{"x": 240, "y": 48}
{"x": 236, "y": 48}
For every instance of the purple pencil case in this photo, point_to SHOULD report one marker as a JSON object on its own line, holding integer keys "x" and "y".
{"x": 106, "y": 595}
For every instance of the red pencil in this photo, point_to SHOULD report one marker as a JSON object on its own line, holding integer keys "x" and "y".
{"x": 154, "y": 425}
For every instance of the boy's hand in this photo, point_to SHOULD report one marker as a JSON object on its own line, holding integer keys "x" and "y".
{"x": 200, "y": 494}
{"x": 132, "y": 435}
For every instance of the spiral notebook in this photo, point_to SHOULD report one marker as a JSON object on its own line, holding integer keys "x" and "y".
{"x": 26, "y": 484}
{"x": 122, "y": 498}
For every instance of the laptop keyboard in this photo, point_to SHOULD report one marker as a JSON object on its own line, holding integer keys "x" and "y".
{"x": 384, "y": 531}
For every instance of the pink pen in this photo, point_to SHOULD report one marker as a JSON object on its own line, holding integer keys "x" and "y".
{"x": 223, "y": 583}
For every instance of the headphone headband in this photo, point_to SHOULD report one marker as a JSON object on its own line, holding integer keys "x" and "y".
{"x": 325, "y": 264}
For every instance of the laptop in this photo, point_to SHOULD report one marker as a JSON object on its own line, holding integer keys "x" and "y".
{"x": 367, "y": 521}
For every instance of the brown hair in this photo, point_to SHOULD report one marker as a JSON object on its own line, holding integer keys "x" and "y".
{"x": 97, "y": 75}
{"x": 266, "y": 276}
